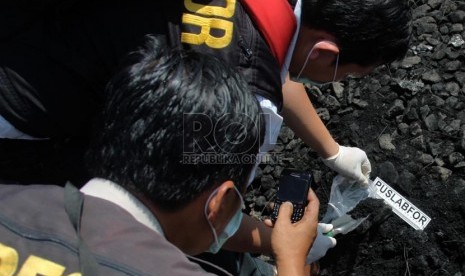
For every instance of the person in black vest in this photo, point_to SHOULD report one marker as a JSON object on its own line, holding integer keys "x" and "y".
{"x": 57, "y": 55}
{"x": 151, "y": 205}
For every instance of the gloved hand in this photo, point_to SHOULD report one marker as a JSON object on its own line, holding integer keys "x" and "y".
{"x": 350, "y": 162}
{"x": 321, "y": 244}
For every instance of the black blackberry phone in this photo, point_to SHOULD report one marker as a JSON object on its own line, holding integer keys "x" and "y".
{"x": 293, "y": 187}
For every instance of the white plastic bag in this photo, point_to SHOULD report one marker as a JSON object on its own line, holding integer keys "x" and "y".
{"x": 345, "y": 195}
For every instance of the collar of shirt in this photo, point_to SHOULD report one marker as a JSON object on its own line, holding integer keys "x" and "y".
{"x": 290, "y": 50}
{"x": 110, "y": 191}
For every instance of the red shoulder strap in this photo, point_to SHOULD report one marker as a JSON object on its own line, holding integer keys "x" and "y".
{"x": 276, "y": 21}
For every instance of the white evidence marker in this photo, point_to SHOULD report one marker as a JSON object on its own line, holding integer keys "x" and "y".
{"x": 401, "y": 206}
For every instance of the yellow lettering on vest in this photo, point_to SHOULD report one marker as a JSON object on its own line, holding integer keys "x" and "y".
{"x": 8, "y": 260}
{"x": 35, "y": 265}
{"x": 225, "y": 12}
{"x": 75, "y": 274}
{"x": 206, "y": 24}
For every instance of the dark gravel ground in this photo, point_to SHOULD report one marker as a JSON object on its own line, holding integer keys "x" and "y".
{"x": 410, "y": 119}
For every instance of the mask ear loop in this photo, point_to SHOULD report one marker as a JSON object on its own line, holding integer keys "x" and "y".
{"x": 335, "y": 68}
{"x": 306, "y": 61}
{"x": 215, "y": 236}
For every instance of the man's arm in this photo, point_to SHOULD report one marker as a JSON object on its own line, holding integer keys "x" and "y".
{"x": 300, "y": 115}
{"x": 290, "y": 242}
{"x": 253, "y": 236}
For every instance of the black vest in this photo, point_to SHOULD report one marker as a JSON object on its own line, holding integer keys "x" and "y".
{"x": 53, "y": 70}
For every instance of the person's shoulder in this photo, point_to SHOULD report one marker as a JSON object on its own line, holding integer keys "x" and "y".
{"x": 115, "y": 235}
{"x": 38, "y": 205}
{"x": 15, "y": 192}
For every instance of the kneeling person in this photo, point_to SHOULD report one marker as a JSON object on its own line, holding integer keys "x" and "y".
{"x": 148, "y": 207}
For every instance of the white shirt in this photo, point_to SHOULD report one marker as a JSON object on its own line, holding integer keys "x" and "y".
{"x": 107, "y": 190}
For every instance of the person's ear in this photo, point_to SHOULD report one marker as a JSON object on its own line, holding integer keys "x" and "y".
{"x": 325, "y": 51}
{"x": 221, "y": 203}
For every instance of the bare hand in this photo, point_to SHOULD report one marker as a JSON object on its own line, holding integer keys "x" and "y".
{"x": 291, "y": 242}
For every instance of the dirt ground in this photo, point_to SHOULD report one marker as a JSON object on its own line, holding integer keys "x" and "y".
{"x": 410, "y": 119}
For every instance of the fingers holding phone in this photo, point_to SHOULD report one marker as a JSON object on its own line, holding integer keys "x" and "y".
{"x": 294, "y": 219}
{"x": 312, "y": 209}
{"x": 291, "y": 241}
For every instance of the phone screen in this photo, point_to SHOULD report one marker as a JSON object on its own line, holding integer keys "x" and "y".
{"x": 293, "y": 189}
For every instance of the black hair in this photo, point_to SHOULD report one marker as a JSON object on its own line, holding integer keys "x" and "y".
{"x": 175, "y": 124}
{"x": 368, "y": 32}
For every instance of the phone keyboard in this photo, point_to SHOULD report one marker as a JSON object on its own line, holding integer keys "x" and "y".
{"x": 297, "y": 211}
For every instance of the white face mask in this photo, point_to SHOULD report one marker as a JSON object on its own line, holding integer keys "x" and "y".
{"x": 305, "y": 80}
{"x": 230, "y": 228}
